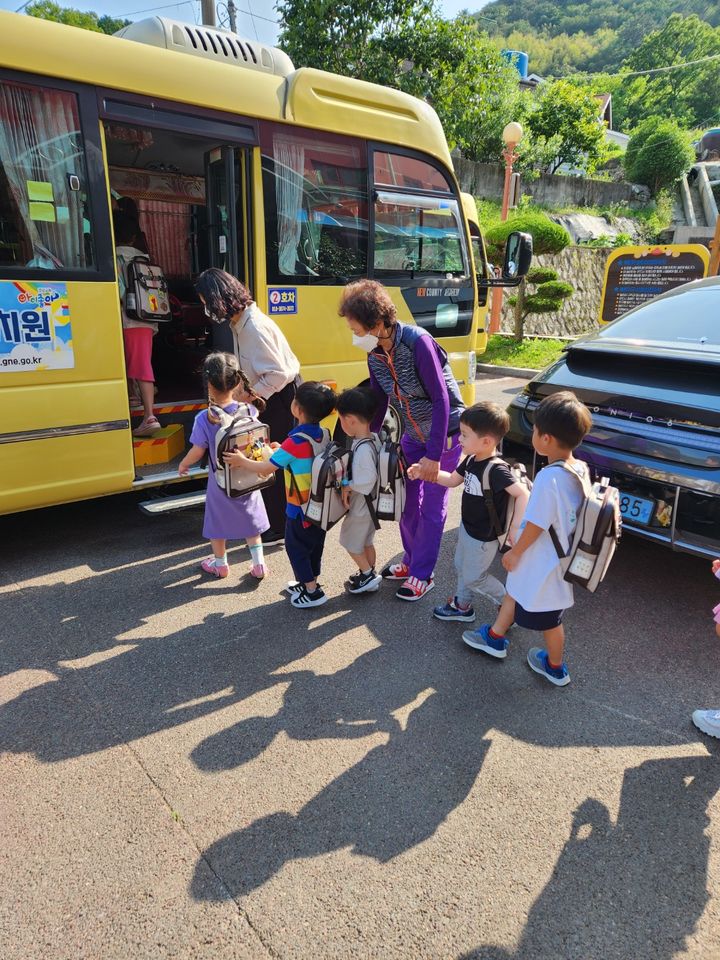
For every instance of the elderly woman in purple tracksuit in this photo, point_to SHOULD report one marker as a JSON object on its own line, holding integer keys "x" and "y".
{"x": 407, "y": 364}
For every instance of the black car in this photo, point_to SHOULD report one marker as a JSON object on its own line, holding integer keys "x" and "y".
{"x": 651, "y": 380}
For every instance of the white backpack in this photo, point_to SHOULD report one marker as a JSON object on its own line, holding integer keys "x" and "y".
{"x": 389, "y": 497}
{"x": 238, "y": 431}
{"x": 519, "y": 473}
{"x": 146, "y": 291}
{"x": 598, "y": 530}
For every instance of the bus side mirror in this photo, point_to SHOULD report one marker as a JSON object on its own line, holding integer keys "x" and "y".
{"x": 518, "y": 257}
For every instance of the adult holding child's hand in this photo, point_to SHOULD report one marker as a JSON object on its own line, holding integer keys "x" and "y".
{"x": 407, "y": 364}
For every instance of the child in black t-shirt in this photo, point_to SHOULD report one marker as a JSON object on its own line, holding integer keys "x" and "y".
{"x": 482, "y": 427}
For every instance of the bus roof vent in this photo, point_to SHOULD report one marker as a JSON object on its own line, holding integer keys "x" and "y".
{"x": 209, "y": 43}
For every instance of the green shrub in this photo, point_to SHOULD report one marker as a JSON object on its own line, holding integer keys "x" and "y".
{"x": 548, "y": 237}
{"x": 658, "y": 154}
{"x": 541, "y": 275}
{"x": 555, "y": 289}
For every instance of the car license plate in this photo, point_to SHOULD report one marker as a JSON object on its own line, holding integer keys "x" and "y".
{"x": 636, "y": 509}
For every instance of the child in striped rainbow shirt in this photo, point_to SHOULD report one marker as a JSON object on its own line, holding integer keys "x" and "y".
{"x": 304, "y": 542}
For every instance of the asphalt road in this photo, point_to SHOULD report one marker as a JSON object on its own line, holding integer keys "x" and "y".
{"x": 193, "y": 769}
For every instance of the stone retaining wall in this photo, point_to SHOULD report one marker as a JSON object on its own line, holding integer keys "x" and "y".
{"x": 584, "y": 267}
{"x": 487, "y": 180}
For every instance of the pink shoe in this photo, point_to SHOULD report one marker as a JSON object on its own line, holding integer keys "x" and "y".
{"x": 259, "y": 571}
{"x": 217, "y": 570}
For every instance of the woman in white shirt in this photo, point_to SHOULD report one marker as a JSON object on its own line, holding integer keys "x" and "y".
{"x": 267, "y": 361}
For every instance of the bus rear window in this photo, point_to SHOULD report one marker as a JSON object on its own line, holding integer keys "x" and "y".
{"x": 408, "y": 173}
{"x": 45, "y": 221}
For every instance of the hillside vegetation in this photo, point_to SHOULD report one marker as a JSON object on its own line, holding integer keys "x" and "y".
{"x": 596, "y": 35}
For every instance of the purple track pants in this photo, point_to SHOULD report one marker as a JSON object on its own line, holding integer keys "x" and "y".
{"x": 423, "y": 519}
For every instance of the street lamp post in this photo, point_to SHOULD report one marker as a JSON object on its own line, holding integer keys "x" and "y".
{"x": 512, "y": 135}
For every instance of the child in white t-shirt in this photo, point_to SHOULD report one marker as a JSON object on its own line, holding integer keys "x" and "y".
{"x": 537, "y": 593}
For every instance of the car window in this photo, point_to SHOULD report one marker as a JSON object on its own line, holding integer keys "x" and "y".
{"x": 690, "y": 319}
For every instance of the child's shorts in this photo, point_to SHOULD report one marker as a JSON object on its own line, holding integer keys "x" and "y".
{"x": 537, "y": 620}
{"x": 357, "y": 532}
{"x": 138, "y": 353}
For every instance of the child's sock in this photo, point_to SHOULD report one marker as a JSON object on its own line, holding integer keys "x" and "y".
{"x": 366, "y": 572}
{"x": 257, "y": 555}
{"x": 554, "y": 666}
{"x": 221, "y": 561}
{"x": 496, "y": 636}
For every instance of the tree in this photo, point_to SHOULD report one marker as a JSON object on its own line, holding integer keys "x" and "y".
{"x": 342, "y": 37}
{"x": 405, "y": 44}
{"x": 548, "y": 238}
{"x": 48, "y": 10}
{"x": 567, "y": 118}
{"x": 658, "y": 154}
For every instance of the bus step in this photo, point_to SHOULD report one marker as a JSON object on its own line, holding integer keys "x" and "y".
{"x": 154, "y": 508}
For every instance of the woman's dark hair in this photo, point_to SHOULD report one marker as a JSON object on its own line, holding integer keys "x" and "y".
{"x": 357, "y": 402}
{"x": 125, "y": 229}
{"x": 222, "y": 372}
{"x": 223, "y": 294}
{"x": 368, "y": 302}
{"x": 562, "y": 416}
{"x": 316, "y": 400}
{"x": 128, "y": 206}
{"x": 486, "y": 419}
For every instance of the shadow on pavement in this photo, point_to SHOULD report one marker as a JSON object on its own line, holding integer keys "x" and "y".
{"x": 636, "y": 888}
{"x": 435, "y": 702}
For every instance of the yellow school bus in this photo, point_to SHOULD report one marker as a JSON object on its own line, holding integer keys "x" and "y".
{"x": 296, "y": 181}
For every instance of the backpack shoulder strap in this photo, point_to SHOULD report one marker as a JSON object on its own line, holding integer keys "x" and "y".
{"x": 368, "y": 497}
{"x": 584, "y": 482}
{"x": 489, "y": 496}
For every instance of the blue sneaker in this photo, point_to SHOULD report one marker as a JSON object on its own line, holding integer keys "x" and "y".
{"x": 451, "y": 611}
{"x": 538, "y": 661}
{"x": 480, "y": 639}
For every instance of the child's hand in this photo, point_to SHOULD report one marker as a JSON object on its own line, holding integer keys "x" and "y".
{"x": 414, "y": 471}
{"x": 715, "y": 566}
{"x": 237, "y": 459}
{"x": 183, "y": 468}
{"x": 345, "y": 496}
{"x": 274, "y": 445}
{"x": 510, "y": 560}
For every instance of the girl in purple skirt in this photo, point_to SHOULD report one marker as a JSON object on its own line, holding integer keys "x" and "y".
{"x": 239, "y": 518}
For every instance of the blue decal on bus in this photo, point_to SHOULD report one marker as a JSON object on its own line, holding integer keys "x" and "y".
{"x": 282, "y": 300}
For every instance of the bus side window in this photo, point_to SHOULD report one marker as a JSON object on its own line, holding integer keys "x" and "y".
{"x": 45, "y": 222}
{"x": 316, "y": 207}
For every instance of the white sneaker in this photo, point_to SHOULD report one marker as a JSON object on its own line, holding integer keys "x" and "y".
{"x": 708, "y": 721}
{"x": 148, "y": 427}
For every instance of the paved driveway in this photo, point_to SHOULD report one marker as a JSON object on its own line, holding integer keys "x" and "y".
{"x": 192, "y": 769}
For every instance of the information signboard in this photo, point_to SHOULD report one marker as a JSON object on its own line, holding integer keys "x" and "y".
{"x": 634, "y": 275}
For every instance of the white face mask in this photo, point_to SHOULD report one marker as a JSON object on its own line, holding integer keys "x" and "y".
{"x": 367, "y": 342}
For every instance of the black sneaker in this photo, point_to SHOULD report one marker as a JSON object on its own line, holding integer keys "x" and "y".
{"x": 272, "y": 536}
{"x": 303, "y": 599}
{"x": 364, "y": 582}
{"x": 294, "y": 587}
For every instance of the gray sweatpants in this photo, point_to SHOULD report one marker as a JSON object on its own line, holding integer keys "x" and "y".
{"x": 472, "y": 562}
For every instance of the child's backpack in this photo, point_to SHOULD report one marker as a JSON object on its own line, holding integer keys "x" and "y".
{"x": 146, "y": 291}
{"x": 502, "y": 530}
{"x": 598, "y": 530}
{"x": 389, "y": 498}
{"x": 239, "y": 431}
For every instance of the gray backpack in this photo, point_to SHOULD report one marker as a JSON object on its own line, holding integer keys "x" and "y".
{"x": 238, "y": 431}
